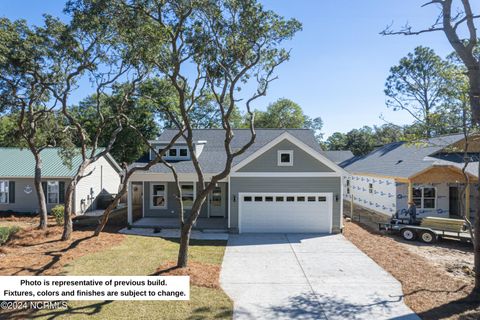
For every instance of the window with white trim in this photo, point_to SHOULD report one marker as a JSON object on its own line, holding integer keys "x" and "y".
{"x": 52, "y": 192}
{"x": 4, "y": 191}
{"x": 425, "y": 197}
{"x": 348, "y": 186}
{"x": 159, "y": 196}
{"x": 285, "y": 158}
{"x": 370, "y": 188}
{"x": 183, "y": 152}
{"x": 188, "y": 194}
{"x": 177, "y": 153}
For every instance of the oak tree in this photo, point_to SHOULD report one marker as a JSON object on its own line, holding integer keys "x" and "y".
{"x": 224, "y": 45}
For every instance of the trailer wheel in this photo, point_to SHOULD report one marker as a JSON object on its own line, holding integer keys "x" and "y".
{"x": 428, "y": 237}
{"x": 408, "y": 234}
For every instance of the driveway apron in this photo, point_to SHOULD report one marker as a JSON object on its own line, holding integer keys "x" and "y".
{"x": 307, "y": 276}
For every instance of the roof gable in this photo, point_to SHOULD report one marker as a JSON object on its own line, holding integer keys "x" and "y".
{"x": 327, "y": 165}
{"x": 302, "y": 161}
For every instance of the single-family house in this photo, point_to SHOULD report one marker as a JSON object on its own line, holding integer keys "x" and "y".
{"x": 282, "y": 183}
{"x": 17, "y": 191}
{"x": 428, "y": 173}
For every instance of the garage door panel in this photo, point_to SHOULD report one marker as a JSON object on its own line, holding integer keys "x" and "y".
{"x": 298, "y": 216}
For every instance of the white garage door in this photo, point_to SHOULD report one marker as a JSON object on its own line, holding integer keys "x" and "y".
{"x": 285, "y": 212}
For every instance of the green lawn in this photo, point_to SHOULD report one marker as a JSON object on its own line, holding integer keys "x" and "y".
{"x": 142, "y": 256}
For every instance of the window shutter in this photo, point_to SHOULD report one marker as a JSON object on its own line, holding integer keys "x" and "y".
{"x": 44, "y": 187}
{"x": 11, "y": 192}
{"x": 61, "y": 192}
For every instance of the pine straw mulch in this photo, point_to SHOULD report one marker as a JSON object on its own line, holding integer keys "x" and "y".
{"x": 23, "y": 222}
{"x": 428, "y": 290}
{"x": 41, "y": 252}
{"x": 201, "y": 274}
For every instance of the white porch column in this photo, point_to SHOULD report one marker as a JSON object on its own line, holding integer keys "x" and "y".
{"x": 129, "y": 204}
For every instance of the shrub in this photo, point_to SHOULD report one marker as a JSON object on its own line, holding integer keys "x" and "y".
{"x": 6, "y": 233}
{"x": 57, "y": 212}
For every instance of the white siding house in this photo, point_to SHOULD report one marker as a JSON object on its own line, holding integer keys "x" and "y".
{"x": 427, "y": 173}
{"x": 103, "y": 179}
{"x": 17, "y": 193}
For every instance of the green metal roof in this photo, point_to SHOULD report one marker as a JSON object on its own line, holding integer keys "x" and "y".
{"x": 16, "y": 162}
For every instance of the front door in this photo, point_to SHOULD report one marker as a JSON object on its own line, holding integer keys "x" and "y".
{"x": 454, "y": 206}
{"x": 137, "y": 194}
{"x": 217, "y": 201}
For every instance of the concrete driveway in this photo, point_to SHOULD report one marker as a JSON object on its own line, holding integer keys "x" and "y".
{"x": 286, "y": 276}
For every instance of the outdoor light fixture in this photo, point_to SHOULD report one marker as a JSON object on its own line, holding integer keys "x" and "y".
{"x": 336, "y": 197}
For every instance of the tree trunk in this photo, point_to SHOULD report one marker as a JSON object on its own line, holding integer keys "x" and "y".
{"x": 474, "y": 93}
{"x": 42, "y": 203}
{"x": 184, "y": 242}
{"x": 109, "y": 209}
{"x": 428, "y": 128}
{"x": 476, "y": 241}
{"x": 67, "y": 212}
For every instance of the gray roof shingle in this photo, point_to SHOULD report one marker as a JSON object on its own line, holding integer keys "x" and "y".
{"x": 338, "y": 156}
{"x": 400, "y": 159}
{"x": 213, "y": 157}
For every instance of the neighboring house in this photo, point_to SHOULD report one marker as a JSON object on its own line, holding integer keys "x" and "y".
{"x": 17, "y": 191}
{"x": 282, "y": 183}
{"x": 428, "y": 173}
{"x": 338, "y": 156}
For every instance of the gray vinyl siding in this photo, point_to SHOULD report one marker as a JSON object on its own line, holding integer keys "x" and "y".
{"x": 26, "y": 203}
{"x": 282, "y": 184}
{"x": 302, "y": 161}
{"x": 173, "y": 206}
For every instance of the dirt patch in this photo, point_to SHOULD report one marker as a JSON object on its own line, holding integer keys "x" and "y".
{"x": 450, "y": 255}
{"x": 201, "y": 274}
{"x": 41, "y": 252}
{"x": 428, "y": 290}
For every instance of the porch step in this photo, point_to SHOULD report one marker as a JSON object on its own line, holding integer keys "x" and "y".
{"x": 214, "y": 230}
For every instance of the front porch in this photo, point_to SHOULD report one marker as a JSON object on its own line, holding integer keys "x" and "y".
{"x": 454, "y": 192}
{"x": 159, "y": 204}
{"x": 202, "y": 224}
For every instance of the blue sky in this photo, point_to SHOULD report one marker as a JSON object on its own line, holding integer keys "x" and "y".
{"x": 339, "y": 61}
